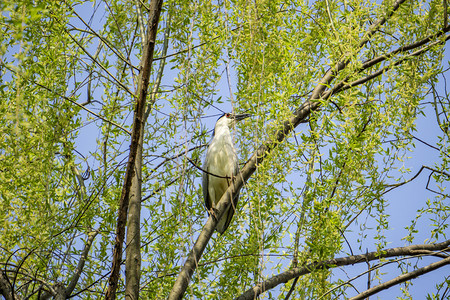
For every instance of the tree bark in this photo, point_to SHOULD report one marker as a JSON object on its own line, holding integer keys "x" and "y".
{"x": 133, "y": 250}
{"x": 6, "y": 289}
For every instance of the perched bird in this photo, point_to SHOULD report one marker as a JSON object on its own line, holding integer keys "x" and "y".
{"x": 221, "y": 166}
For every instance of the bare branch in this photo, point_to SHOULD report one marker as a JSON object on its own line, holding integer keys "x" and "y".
{"x": 100, "y": 65}
{"x": 166, "y": 159}
{"x": 203, "y": 170}
{"x": 429, "y": 145}
{"x": 89, "y": 86}
{"x": 102, "y": 39}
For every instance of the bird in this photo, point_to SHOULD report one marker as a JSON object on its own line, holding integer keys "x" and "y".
{"x": 220, "y": 167}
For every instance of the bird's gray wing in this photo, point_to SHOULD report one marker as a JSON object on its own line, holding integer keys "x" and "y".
{"x": 230, "y": 213}
{"x": 236, "y": 173}
{"x": 205, "y": 183}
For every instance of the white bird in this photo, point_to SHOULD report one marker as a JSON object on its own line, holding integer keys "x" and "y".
{"x": 221, "y": 166}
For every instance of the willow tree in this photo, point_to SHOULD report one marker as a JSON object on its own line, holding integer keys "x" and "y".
{"x": 107, "y": 111}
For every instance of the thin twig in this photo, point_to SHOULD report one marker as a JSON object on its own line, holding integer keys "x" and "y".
{"x": 82, "y": 107}
{"x": 104, "y": 40}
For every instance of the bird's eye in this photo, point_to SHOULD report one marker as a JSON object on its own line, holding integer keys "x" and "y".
{"x": 228, "y": 115}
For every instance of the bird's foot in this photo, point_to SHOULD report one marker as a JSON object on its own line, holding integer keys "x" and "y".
{"x": 212, "y": 211}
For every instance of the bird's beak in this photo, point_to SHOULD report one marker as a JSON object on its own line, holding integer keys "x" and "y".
{"x": 241, "y": 117}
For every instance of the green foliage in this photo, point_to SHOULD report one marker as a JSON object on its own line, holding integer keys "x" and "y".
{"x": 325, "y": 184}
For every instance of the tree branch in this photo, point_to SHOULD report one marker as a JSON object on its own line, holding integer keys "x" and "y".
{"x": 140, "y": 21}
{"x": 74, "y": 280}
{"x": 99, "y": 64}
{"x": 58, "y": 289}
{"x": 402, "y": 278}
{"x": 284, "y": 277}
{"x": 160, "y": 72}
{"x": 101, "y": 38}
{"x": 138, "y": 124}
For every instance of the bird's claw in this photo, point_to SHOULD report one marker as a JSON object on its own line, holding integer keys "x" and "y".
{"x": 212, "y": 212}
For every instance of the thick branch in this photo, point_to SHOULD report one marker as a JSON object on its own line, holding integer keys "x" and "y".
{"x": 138, "y": 124}
{"x": 337, "y": 262}
{"x": 6, "y": 288}
{"x": 133, "y": 253}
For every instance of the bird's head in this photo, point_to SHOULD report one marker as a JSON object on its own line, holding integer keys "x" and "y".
{"x": 229, "y": 119}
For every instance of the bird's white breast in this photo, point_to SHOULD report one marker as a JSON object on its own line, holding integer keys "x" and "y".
{"x": 222, "y": 162}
